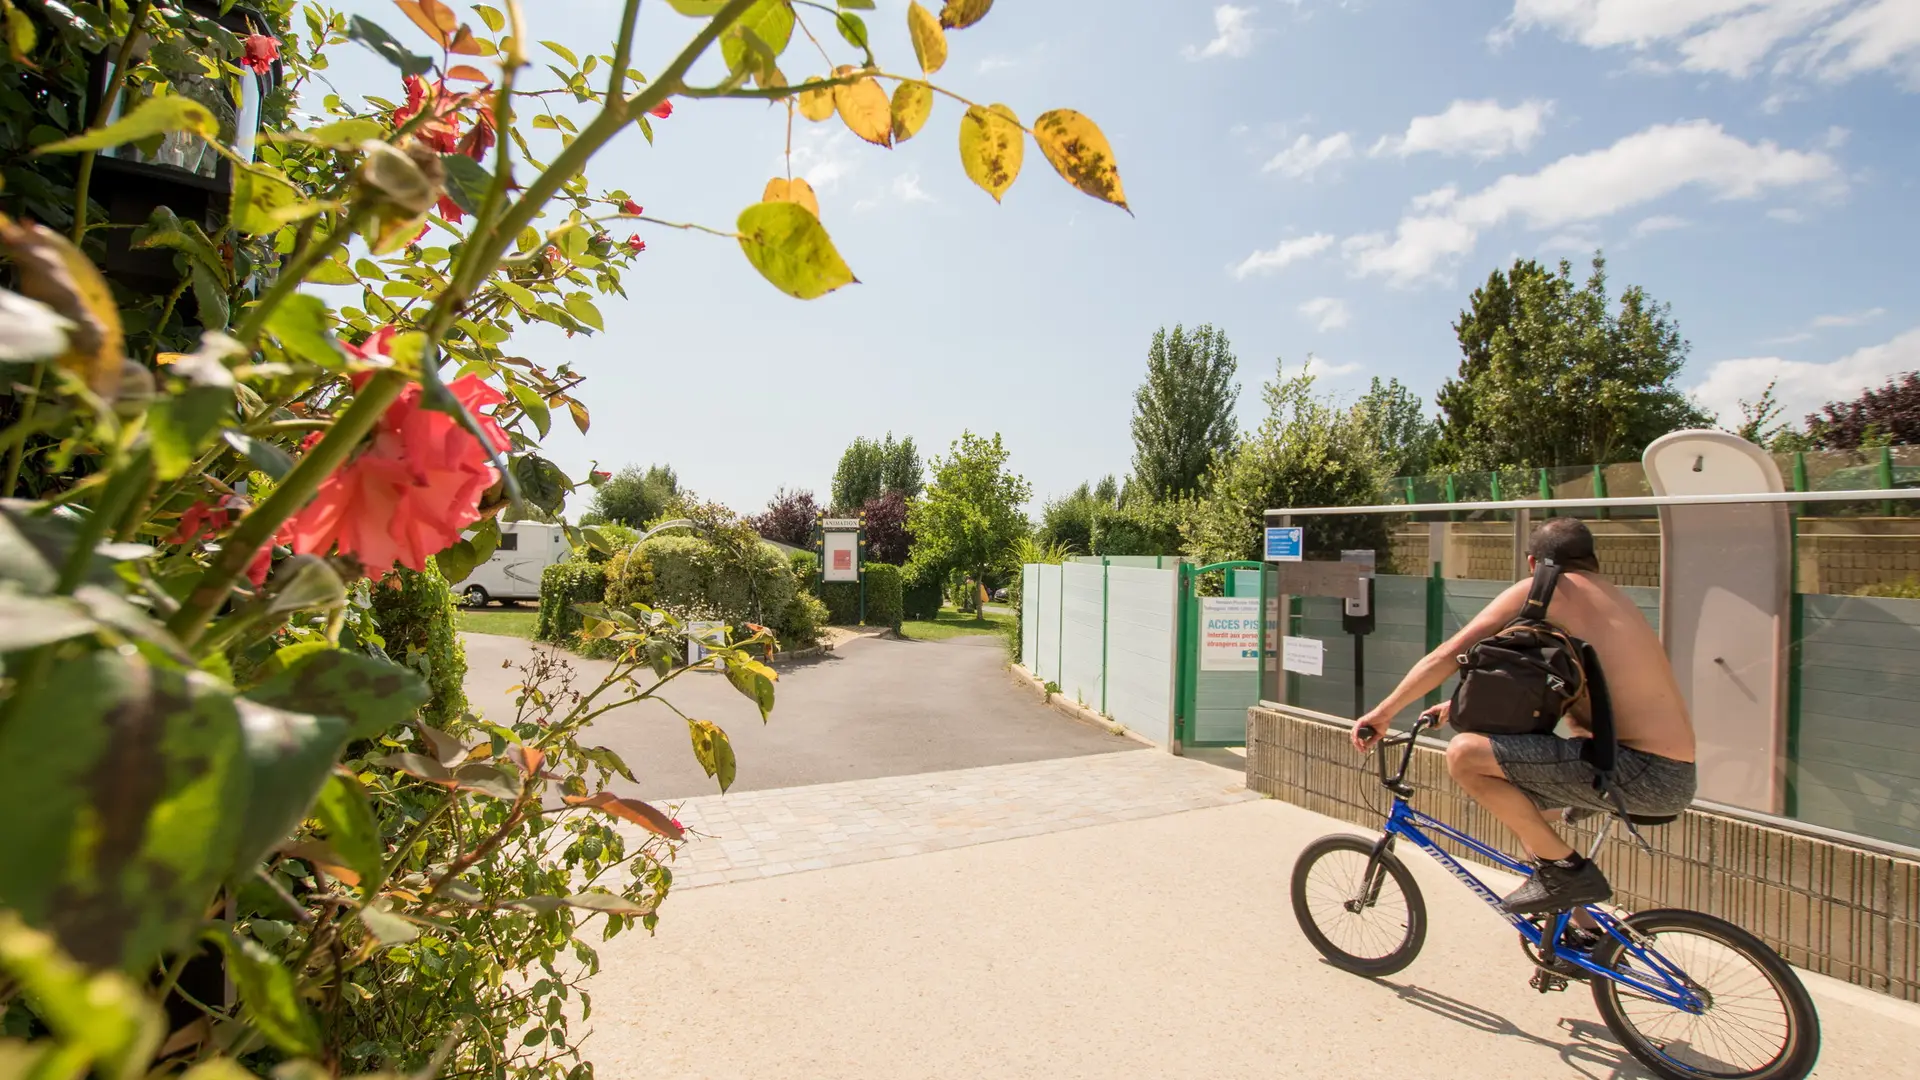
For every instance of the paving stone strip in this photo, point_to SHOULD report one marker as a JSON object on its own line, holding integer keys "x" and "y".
{"x": 756, "y": 834}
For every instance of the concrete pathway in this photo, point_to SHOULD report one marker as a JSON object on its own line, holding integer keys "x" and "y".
{"x": 742, "y": 837}
{"x": 1162, "y": 946}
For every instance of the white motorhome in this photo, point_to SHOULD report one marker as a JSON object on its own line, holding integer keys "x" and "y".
{"x": 513, "y": 571}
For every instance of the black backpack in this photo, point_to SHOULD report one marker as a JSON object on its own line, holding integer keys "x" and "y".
{"x": 1523, "y": 679}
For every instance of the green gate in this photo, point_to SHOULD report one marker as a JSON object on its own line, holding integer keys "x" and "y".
{"x": 1218, "y": 670}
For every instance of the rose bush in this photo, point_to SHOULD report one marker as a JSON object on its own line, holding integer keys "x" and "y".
{"x": 210, "y": 466}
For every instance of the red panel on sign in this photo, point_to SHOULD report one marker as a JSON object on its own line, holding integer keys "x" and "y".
{"x": 842, "y": 559}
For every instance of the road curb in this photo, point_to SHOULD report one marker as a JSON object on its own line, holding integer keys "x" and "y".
{"x": 1067, "y": 707}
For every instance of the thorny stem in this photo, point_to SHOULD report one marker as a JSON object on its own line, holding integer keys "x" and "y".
{"x": 84, "y": 178}
{"x": 166, "y": 312}
{"x": 16, "y": 454}
{"x": 294, "y": 274}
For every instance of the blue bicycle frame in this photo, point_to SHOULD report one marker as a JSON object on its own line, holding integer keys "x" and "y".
{"x": 1404, "y": 821}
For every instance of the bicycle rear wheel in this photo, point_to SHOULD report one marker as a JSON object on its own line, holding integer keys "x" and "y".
{"x": 1759, "y": 1023}
{"x": 1369, "y": 927}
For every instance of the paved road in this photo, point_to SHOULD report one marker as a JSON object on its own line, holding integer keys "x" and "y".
{"x": 875, "y": 708}
{"x": 1157, "y": 947}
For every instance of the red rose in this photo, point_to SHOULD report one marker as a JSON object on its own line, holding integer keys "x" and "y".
{"x": 632, "y": 209}
{"x": 636, "y": 244}
{"x": 449, "y": 210}
{"x": 662, "y": 110}
{"x": 200, "y": 517}
{"x": 261, "y": 52}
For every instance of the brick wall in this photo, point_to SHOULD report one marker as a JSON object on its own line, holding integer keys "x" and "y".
{"x": 1848, "y": 911}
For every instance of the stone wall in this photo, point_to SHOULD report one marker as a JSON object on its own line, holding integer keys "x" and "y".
{"x": 1849, "y": 911}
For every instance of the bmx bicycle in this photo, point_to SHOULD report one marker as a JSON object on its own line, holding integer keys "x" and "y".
{"x": 1687, "y": 994}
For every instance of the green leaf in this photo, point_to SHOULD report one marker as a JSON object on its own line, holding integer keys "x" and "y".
{"x": 698, "y": 9}
{"x": 383, "y": 43}
{"x": 714, "y": 750}
{"x": 580, "y": 306}
{"x": 147, "y": 761}
{"x": 853, "y": 28}
{"x": 21, "y": 35}
{"x": 856, "y": 5}
{"x": 370, "y": 695}
{"x": 269, "y": 995}
{"x": 519, "y": 294}
{"x": 609, "y": 760}
{"x": 344, "y": 812}
{"x": 541, "y": 482}
{"x": 165, "y": 230}
{"x": 302, "y": 324}
{"x": 209, "y": 295}
{"x": 562, "y": 52}
{"x": 306, "y": 583}
{"x": 792, "y": 250}
{"x": 485, "y": 539}
{"x": 288, "y": 755}
{"x": 264, "y": 200}
{"x": 332, "y": 272}
{"x": 388, "y": 926}
{"x": 457, "y": 561}
{"x": 154, "y": 116}
{"x": 467, "y": 181}
{"x": 104, "y": 1016}
{"x": 534, "y": 405}
{"x": 179, "y": 425}
{"x": 491, "y": 16}
{"x": 265, "y": 456}
{"x": 609, "y": 903}
{"x": 769, "y": 21}
{"x": 347, "y": 134}
{"x": 755, "y": 680}
{"x": 30, "y": 621}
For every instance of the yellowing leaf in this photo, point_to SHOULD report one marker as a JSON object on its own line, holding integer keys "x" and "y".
{"x": 54, "y": 272}
{"x": 816, "y": 105}
{"x": 467, "y": 72}
{"x": 640, "y": 813}
{"x": 960, "y": 14}
{"x": 929, "y": 41}
{"x": 1078, "y": 151}
{"x": 912, "y": 102}
{"x": 264, "y": 201}
{"x": 155, "y": 116}
{"x": 991, "y": 147}
{"x": 789, "y": 247}
{"x": 864, "y": 109}
{"x": 431, "y": 16}
{"x": 465, "y": 44}
{"x": 793, "y": 191}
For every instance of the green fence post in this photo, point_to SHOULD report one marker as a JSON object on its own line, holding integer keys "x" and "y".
{"x": 1436, "y": 620}
{"x": 1886, "y": 479}
{"x": 1546, "y": 490}
{"x": 1186, "y": 649}
{"x": 1412, "y": 496}
{"x": 1600, "y": 489}
{"x": 1106, "y": 617}
{"x": 1453, "y": 495}
{"x": 1493, "y": 485}
{"x": 1799, "y": 483}
{"x": 1059, "y": 632}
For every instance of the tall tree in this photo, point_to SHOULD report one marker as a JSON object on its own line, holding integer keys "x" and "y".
{"x": 888, "y": 538}
{"x": 1880, "y": 417}
{"x": 1551, "y": 375}
{"x": 1396, "y": 421}
{"x": 634, "y": 497}
{"x": 869, "y": 467}
{"x": 1307, "y": 452}
{"x": 1183, "y": 412}
{"x": 970, "y": 517}
{"x": 789, "y": 518}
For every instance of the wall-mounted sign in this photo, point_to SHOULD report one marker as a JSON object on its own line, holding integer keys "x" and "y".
{"x": 831, "y": 524}
{"x": 1302, "y": 654}
{"x": 1285, "y": 543}
{"x": 842, "y": 551}
{"x": 1229, "y": 633}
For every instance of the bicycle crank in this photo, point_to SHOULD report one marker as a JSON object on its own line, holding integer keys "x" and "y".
{"x": 1546, "y": 981}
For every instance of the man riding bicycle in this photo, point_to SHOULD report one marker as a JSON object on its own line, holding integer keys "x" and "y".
{"x": 1516, "y": 777}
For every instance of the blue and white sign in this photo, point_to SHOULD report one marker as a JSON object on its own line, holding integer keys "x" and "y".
{"x": 1284, "y": 542}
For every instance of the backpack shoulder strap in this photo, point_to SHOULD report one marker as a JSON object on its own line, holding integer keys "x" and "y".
{"x": 1602, "y": 751}
{"x": 1545, "y": 577}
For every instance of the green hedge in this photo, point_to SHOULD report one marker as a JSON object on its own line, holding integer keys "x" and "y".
{"x": 692, "y": 577}
{"x": 843, "y": 602}
{"x": 799, "y": 627}
{"x": 806, "y": 571}
{"x": 563, "y": 585}
{"x": 921, "y": 599}
{"x": 884, "y": 601}
{"x": 416, "y": 616}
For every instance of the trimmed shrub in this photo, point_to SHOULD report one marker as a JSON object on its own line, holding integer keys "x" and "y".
{"x": 921, "y": 599}
{"x": 618, "y": 537}
{"x": 843, "y": 602}
{"x": 416, "y": 616}
{"x": 563, "y": 585}
{"x": 806, "y": 571}
{"x": 693, "y": 576}
{"x": 800, "y": 624}
{"x": 884, "y": 601}
{"x": 630, "y": 580}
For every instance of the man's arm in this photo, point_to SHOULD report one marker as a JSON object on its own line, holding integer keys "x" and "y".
{"x": 1433, "y": 668}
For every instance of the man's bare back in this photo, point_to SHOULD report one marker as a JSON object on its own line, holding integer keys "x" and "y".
{"x": 1649, "y": 712}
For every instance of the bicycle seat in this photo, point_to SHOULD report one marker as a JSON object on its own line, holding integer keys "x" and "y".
{"x": 1653, "y": 819}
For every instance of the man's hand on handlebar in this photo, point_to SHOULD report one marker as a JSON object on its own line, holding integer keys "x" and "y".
{"x": 1368, "y": 730}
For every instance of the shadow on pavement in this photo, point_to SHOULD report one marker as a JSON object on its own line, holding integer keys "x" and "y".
{"x": 1591, "y": 1052}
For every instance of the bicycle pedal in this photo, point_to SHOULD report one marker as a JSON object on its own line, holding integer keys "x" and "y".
{"x": 1547, "y": 981}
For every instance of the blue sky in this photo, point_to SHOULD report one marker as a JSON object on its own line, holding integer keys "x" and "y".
{"x": 1318, "y": 178}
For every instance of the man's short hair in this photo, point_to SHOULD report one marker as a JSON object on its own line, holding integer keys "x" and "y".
{"x": 1567, "y": 543}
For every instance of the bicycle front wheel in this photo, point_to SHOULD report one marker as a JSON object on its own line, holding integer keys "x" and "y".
{"x": 1758, "y": 1024}
{"x": 1365, "y": 915}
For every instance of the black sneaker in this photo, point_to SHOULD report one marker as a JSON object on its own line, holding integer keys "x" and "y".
{"x": 1556, "y": 888}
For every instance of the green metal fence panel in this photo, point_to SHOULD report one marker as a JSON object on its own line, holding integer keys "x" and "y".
{"x": 1143, "y": 617}
{"x": 1858, "y": 765}
{"x": 1082, "y": 628}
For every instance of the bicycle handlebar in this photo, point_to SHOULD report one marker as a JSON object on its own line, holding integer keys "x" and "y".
{"x": 1397, "y": 782}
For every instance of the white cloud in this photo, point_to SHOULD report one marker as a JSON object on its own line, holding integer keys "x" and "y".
{"x": 1233, "y": 34}
{"x": 1851, "y": 318}
{"x": 1306, "y": 156}
{"x": 1282, "y": 255}
{"x": 1482, "y": 129}
{"x": 1326, "y": 313}
{"x": 1832, "y": 40}
{"x": 1802, "y": 387}
{"x": 904, "y": 188}
{"x": 1659, "y": 223}
{"x": 1789, "y": 339}
{"x": 1322, "y": 368}
{"x": 823, "y": 158}
{"x": 1787, "y": 214}
{"x": 1584, "y": 188}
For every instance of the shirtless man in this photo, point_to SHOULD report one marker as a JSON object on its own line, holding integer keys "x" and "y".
{"x": 1516, "y": 777}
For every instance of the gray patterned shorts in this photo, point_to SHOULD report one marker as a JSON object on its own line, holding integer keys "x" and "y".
{"x": 1554, "y": 775}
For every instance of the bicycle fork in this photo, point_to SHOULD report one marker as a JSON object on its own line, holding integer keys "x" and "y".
{"x": 1375, "y": 875}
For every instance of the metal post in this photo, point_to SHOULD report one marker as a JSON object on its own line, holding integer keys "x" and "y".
{"x": 1453, "y": 495}
{"x": 1493, "y": 484}
{"x": 1886, "y": 478}
{"x": 1359, "y": 676}
{"x": 1412, "y": 496}
{"x": 1600, "y": 489}
{"x": 1105, "y": 615}
{"x": 1546, "y": 490}
{"x": 1522, "y": 526}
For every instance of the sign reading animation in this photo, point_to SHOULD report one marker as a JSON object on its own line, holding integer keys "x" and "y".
{"x": 841, "y": 551}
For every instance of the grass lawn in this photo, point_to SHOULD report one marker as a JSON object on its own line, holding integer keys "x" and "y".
{"x": 951, "y": 623}
{"x": 506, "y": 621}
